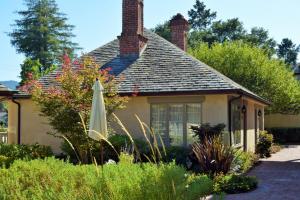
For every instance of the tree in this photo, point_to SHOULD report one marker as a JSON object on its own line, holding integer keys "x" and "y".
{"x": 30, "y": 69}
{"x": 200, "y": 17}
{"x": 163, "y": 30}
{"x": 260, "y": 37}
{"x": 229, "y": 30}
{"x": 288, "y": 51}
{"x": 70, "y": 94}
{"x": 219, "y": 32}
{"x": 42, "y": 33}
{"x": 251, "y": 67}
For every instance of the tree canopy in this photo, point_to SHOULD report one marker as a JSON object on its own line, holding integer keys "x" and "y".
{"x": 42, "y": 33}
{"x": 288, "y": 51}
{"x": 251, "y": 67}
{"x": 200, "y": 17}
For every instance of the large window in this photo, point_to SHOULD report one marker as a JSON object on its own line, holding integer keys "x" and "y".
{"x": 173, "y": 122}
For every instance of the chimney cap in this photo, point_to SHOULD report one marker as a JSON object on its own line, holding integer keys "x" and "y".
{"x": 178, "y": 20}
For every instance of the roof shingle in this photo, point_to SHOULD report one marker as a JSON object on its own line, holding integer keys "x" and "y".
{"x": 161, "y": 68}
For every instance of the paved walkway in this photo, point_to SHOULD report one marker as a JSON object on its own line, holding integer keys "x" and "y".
{"x": 279, "y": 177}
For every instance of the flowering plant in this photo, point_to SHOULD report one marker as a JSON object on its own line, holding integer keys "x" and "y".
{"x": 69, "y": 94}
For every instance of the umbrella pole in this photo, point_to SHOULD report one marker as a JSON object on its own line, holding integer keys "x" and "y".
{"x": 101, "y": 153}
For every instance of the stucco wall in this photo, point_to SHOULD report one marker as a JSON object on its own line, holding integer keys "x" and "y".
{"x": 214, "y": 111}
{"x": 251, "y": 106}
{"x": 282, "y": 121}
{"x": 34, "y": 128}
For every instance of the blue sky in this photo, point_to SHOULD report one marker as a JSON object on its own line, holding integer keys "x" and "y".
{"x": 99, "y": 21}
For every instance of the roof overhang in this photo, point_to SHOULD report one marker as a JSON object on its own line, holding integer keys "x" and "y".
{"x": 200, "y": 92}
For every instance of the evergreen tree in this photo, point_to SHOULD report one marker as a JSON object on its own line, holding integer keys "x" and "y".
{"x": 42, "y": 33}
{"x": 200, "y": 17}
{"x": 288, "y": 51}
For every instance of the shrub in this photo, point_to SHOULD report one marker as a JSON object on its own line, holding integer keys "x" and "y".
{"x": 177, "y": 154}
{"x": 213, "y": 156}
{"x": 11, "y": 152}
{"x": 206, "y": 130}
{"x": 264, "y": 144}
{"x": 46, "y": 179}
{"x": 275, "y": 148}
{"x": 244, "y": 161}
{"x": 233, "y": 184}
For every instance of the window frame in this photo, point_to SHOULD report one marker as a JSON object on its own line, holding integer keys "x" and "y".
{"x": 176, "y": 100}
{"x": 239, "y": 104}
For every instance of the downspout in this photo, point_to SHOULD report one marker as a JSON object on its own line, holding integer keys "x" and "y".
{"x": 19, "y": 119}
{"x": 229, "y": 116}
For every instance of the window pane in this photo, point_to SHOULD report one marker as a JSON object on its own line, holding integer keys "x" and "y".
{"x": 176, "y": 124}
{"x": 193, "y": 119}
{"x": 236, "y": 124}
{"x": 159, "y": 120}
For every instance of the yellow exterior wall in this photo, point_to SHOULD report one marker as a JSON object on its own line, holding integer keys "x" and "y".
{"x": 214, "y": 111}
{"x": 251, "y": 106}
{"x": 282, "y": 121}
{"x": 34, "y": 128}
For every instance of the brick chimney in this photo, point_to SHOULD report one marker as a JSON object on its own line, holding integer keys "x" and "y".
{"x": 132, "y": 40}
{"x": 179, "y": 29}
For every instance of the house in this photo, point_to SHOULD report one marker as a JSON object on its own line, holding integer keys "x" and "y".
{"x": 175, "y": 90}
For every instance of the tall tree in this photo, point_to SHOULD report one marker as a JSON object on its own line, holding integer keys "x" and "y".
{"x": 200, "y": 17}
{"x": 288, "y": 51}
{"x": 260, "y": 37}
{"x": 229, "y": 30}
{"x": 42, "y": 33}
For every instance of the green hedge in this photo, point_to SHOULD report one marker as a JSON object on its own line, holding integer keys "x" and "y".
{"x": 11, "y": 152}
{"x": 285, "y": 135}
{"x": 55, "y": 179}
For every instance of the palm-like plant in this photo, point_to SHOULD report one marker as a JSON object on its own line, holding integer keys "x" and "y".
{"x": 213, "y": 156}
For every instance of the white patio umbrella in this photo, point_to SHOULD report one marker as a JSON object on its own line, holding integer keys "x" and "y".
{"x": 98, "y": 123}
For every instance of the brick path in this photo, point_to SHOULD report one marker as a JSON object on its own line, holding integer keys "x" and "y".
{"x": 279, "y": 177}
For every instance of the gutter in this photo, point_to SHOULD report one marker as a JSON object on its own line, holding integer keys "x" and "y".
{"x": 229, "y": 116}
{"x": 19, "y": 118}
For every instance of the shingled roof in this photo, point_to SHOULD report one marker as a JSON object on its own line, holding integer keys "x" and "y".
{"x": 5, "y": 91}
{"x": 162, "y": 68}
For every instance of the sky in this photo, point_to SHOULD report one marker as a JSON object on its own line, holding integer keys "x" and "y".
{"x": 99, "y": 21}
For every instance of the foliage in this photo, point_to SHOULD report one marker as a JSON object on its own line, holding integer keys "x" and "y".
{"x": 71, "y": 93}
{"x": 12, "y": 152}
{"x": 285, "y": 135}
{"x": 244, "y": 161}
{"x": 288, "y": 51}
{"x": 46, "y": 179}
{"x": 252, "y": 68}
{"x": 200, "y": 17}
{"x": 42, "y": 33}
{"x": 233, "y": 184}
{"x": 206, "y": 130}
{"x": 213, "y": 156}
{"x": 264, "y": 144}
{"x": 275, "y": 148}
{"x": 205, "y": 29}
{"x": 163, "y": 30}
{"x": 30, "y": 69}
